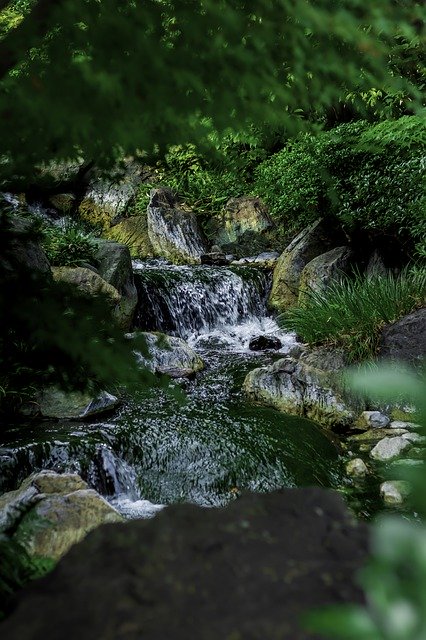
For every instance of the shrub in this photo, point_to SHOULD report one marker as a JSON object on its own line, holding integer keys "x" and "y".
{"x": 351, "y": 313}
{"x": 68, "y": 246}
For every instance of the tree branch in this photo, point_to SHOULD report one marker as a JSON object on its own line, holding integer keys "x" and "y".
{"x": 28, "y": 34}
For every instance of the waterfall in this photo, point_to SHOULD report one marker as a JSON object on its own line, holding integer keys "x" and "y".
{"x": 184, "y": 300}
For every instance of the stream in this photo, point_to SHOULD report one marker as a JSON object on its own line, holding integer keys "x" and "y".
{"x": 204, "y": 445}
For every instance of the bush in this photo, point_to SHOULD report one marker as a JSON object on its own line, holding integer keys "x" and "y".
{"x": 352, "y": 312}
{"x": 68, "y": 246}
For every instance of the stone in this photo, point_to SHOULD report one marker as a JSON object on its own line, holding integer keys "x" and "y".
{"x": 373, "y": 420}
{"x": 374, "y": 435}
{"x": 405, "y": 340}
{"x": 87, "y": 282}
{"x": 109, "y": 197}
{"x": 389, "y": 448}
{"x": 249, "y": 570}
{"x": 63, "y": 202}
{"x": 167, "y": 355}
{"x": 294, "y": 387}
{"x": 328, "y": 359}
{"x": 320, "y": 272}
{"x": 394, "y": 492}
{"x": 261, "y": 343}
{"x": 399, "y": 424}
{"x": 133, "y": 232}
{"x": 50, "y": 512}
{"x": 356, "y": 468}
{"x": 55, "y": 403}
{"x": 115, "y": 267}
{"x": 216, "y": 259}
{"x": 174, "y": 232}
{"x": 309, "y": 244}
{"x": 22, "y": 250}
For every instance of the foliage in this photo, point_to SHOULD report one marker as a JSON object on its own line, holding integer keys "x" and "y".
{"x": 351, "y": 313}
{"x": 68, "y": 245}
{"x": 364, "y": 177}
{"x": 71, "y": 70}
{"x": 394, "y": 579}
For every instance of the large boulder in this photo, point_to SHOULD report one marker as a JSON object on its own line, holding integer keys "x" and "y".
{"x": 22, "y": 250}
{"x": 320, "y": 272}
{"x": 115, "y": 267}
{"x": 168, "y": 355}
{"x": 309, "y": 244}
{"x": 109, "y": 197}
{"x": 250, "y": 570}
{"x": 174, "y": 232}
{"x": 406, "y": 338}
{"x": 50, "y": 512}
{"x": 241, "y": 227}
{"x": 55, "y": 403}
{"x": 294, "y": 387}
{"x": 133, "y": 232}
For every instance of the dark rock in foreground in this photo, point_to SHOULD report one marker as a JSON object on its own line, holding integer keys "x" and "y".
{"x": 406, "y": 338}
{"x": 260, "y": 343}
{"x": 247, "y": 571}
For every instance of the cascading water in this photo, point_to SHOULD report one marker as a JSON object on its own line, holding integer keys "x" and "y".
{"x": 207, "y": 448}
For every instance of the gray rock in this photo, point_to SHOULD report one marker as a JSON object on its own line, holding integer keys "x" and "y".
{"x": 115, "y": 267}
{"x": 399, "y": 424}
{"x": 168, "y": 355}
{"x": 133, "y": 232}
{"x": 294, "y": 387}
{"x": 309, "y": 244}
{"x": 214, "y": 258}
{"x": 356, "y": 468}
{"x": 373, "y": 420}
{"x": 54, "y": 512}
{"x": 55, "y": 403}
{"x": 174, "y": 232}
{"x": 320, "y": 272}
{"x": 22, "y": 250}
{"x": 394, "y": 492}
{"x": 389, "y": 448}
{"x": 405, "y": 339}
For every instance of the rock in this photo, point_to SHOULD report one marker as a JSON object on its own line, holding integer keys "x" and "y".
{"x": 389, "y": 448}
{"x": 399, "y": 424}
{"x": 309, "y": 244}
{"x": 261, "y": 343}
{"x": 405, "y": 339}
{"x": 215, "y": 259}
{"x": 356, "y": 468}
{"x": 296, "y": 388}
{"x": 55, "y": 403}
{"x": 325, "y": 358}
{"x": 63, "y": 202}
{"x": 374, "y": 435}
{"x": 115, "y": 267}
{"x": 394, "y": 492}
{"x": 320, "y": 272}
{"x": 373, "y": 420}
{"x": 51, "y": 512}
{"x": 168, "y": 355}
{"x": 249, "y": 570}
{"x": 174, "y": 233}
{"x": 133, "y": 232}
{"x": 109, "y": 197}
{"x": 87, "y": 282}
{"x": 241, "y": 227}
{"x": 22, "y": 249}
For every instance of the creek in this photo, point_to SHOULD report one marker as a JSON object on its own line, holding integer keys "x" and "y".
{"x": 193, "y": 440}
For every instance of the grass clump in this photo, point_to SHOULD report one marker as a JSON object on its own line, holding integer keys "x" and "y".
{"x": 68, "y": 246}
{"x": 351, "y": 313}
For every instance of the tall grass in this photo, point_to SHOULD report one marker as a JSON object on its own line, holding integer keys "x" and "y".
{"x": 352, "y": 312}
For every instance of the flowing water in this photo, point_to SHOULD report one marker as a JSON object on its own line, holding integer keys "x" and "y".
{"x": 194, "y": 440}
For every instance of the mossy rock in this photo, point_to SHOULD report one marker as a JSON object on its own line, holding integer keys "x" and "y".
{"x": 94, "y": 214}
{"x": 133, "y": 232}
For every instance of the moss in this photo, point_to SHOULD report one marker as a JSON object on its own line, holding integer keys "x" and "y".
{"x": 133, "y": 232}
{"x": 94, "y": 215}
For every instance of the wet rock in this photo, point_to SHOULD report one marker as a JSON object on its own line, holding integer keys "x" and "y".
{"x": 297, "y": 388}
{"x": 219, "y": 571}
{"x": 320, "y": 272}
{"x": 168, "y": 355}
{"x": 389, "y": 448}
{"x": 356, "y": 468}
{"x": 394, "y": 492}
{"x": 115, "y": 267}
{"x": 309, "y": 244}
{"x": 374, "y": 435}
{"x": 174, "y": 232}
{"x": 399, "y": 424}
{"x": 405, "y": 339}
{"x": 55, "y": 403}
{"x": 216, "y": 259}
{"x": 55, "y": 511}
{"x": 325, "y": 358}
{"x": 373, "y": 420}
{"x": 133, "y": 232}
{"x": 261, "y": 343}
